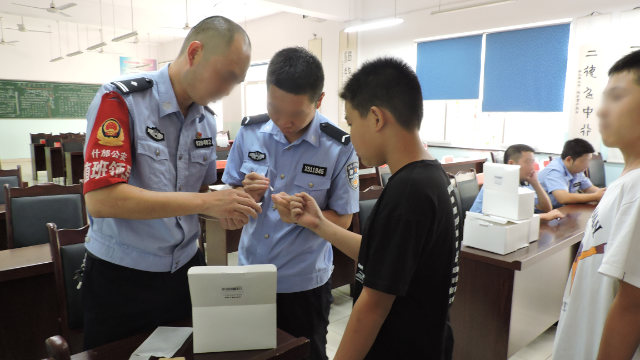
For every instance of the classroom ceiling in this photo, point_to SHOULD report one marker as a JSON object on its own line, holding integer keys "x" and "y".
{"x": 158, "y": 21}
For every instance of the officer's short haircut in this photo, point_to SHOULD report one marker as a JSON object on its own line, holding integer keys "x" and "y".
{"x": 630, "y": 62}
{"x": 216, "y": 33}
{"x": 388, "y": 83}
{"x": 514, "y": 152}
{"x": 297, "y": 71}
{"x": 576, "y": 148}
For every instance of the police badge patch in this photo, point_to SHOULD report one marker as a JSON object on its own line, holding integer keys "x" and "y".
{"x": 155, "y": 134}
{"x": 257, "y": 155}
{"x": 352, "y": 175}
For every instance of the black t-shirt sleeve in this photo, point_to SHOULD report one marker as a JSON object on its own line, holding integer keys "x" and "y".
{"x": 396, "y": 239}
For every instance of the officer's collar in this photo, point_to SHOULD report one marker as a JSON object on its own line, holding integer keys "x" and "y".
{"x": 312, "y": 135}
{"x": 167, "y": 102}
{"x": 567, "y": 173}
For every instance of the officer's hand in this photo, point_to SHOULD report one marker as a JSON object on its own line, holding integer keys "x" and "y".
{"x": 532, "y": 178}
{"x": 552, "y": 215}
{"x": 255, "y": 185}
{"x": 281, "y": 201}
{"x": 305, "y": 211}
{"x": 231, "y": 204}
{"x": 231, "y": 224}
{"x": 600, "y": 193}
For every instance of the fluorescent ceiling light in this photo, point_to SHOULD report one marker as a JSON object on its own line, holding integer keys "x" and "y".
{"x": 125, "y": 36}
{"x": 375, "y": 24}
{"x": 77, "y": 52}
{"x": 97, "y": 46}
{"x": 471, "y": 6}
{"x": 56, "y": 59}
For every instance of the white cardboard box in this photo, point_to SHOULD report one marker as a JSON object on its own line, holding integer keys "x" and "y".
{"x": 534, "y": 228}
{"x": 517, "y": 205}
{"x": 494, "y": 234}
{"x": 234, "y": 307}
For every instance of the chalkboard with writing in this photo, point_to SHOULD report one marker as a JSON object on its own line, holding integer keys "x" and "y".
{"x": 49, "y": 100}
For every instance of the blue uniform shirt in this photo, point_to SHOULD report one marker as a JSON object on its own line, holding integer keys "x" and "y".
{"x": 165, "y": 157}
{"x": 315, "y": 163}
{"x": 556, "y": 177}
{"x": 477, "y": 204}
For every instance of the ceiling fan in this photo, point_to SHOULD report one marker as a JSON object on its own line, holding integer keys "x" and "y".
{"x": 186, "y": 26}
{"x": 22, "y": 28}
{"x": 2, "y": 42}
{"x": 52, "y": 8}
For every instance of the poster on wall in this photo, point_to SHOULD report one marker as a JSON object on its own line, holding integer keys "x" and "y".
{"x": 132, "y": 65}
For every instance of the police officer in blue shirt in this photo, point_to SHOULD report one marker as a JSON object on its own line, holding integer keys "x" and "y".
{"x": 292, "y": 149}
{"x": 150, "y": 150}
{"x": 564, "y": 177}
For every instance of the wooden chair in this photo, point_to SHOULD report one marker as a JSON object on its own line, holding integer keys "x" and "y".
{"x": 497, "y": 157}
{"x": 595, "y": 171}
{"x": 29, "y": 209}
{"x": 38, "y": 162}
{"x": 57, "y": 348}
{"x": 467, "y": 184}
{"x": 12, "y": 177}
{"x": 67, "y": 252}
{"x": 73, "y": 156}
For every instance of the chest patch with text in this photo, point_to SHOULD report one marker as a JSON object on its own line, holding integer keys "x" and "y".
{"x": 314, "y": 170}
{"x": 257, "y": 155}
{"x": 203, "y": 143}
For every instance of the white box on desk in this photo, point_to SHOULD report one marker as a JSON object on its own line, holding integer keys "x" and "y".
{"x": 494, "y": 234}
{"x": 516, "y": 205}
{"x": 534, "y": 228}
{"x": 234, "y": 307}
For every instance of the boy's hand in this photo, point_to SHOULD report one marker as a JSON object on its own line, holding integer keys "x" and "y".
{"x": 255, "y": 185}
{"x": 282, "y": 201}
{"x": 305, "y": 211}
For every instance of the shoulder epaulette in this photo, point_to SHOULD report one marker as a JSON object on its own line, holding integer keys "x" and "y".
{"x": 208, "y": 109}
{"x": 335, "y": 133}
{"x": 133, "y": 85}
{"x": 255, "y": 119}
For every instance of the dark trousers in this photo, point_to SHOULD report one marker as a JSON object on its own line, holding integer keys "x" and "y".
{"x": 306, "y": 313}
{"x": 119, "y": 302}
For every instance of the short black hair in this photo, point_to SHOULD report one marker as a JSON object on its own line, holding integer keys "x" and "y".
{"x": 216, "y": 33}
{"x": 296, "y": 71}
{"x": 390, "y": 84}
{"x": 629, "y": 62}
{"x": 514, "y": 152}
{"x": 576, "y": 148}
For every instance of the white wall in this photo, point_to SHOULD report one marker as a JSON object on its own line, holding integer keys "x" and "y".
{"x": 29, "y": 60}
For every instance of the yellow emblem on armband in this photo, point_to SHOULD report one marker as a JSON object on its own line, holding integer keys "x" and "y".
{"x": 110, "y": 133}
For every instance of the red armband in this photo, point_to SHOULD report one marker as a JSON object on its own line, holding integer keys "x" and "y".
{"x": 107, "y": 158}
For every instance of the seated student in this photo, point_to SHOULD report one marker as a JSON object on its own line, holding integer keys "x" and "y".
{"x": 407, "y": 270}
{"x": 600, "y": 312}
{"x": 520, "y": 154}
{"x": 564, "y": 178}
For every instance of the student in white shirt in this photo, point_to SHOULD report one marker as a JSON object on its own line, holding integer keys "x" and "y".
{"x": 600, "y": 315}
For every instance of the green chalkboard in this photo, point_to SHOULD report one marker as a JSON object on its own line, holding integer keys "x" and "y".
{"x": 48, "y": 100}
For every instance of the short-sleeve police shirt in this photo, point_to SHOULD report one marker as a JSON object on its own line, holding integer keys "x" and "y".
{"x": 325, "y": 167}
{"x": 142, "y": 138}
{"x": 409, "y": 249}
{"x": 556, "y": 176}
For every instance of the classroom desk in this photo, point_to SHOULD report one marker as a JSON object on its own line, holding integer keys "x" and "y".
{"x": 3, "y": 226}
{"x": 37, "y": 159}
{"x": 454, "y": 167}
{"x": 54, "y": 162}
{"x": 288, "y": 348}
{"x": 503, "y": 302}
{"x": 74, "y": 166}
{"x": 28, "y": 305}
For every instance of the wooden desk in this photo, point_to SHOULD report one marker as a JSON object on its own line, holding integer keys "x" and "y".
{"x": 74, "y": 166}
{"x": 28, "y": 305}
{"x": 54, "y": 162}
{"x": 503, "y": 302}
{"x": 37, "y": 159}
{"x": 288, "y": 347}
{"x": 454, "y": 167}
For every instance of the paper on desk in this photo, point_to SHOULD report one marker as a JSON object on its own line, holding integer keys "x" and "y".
{"x": 163, "y": 342}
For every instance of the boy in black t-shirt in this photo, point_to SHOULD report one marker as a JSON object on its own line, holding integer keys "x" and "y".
{"x": 407, "y": 254}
